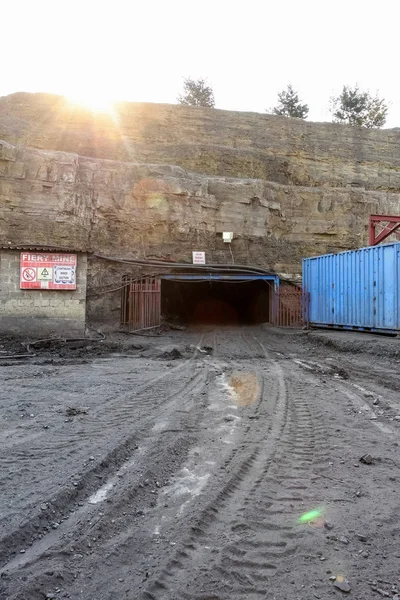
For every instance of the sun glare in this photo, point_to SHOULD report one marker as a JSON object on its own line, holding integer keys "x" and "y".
{"x": 95, "y": 102}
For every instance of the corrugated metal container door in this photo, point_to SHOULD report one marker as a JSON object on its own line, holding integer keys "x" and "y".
{"x": 358, "y": 289}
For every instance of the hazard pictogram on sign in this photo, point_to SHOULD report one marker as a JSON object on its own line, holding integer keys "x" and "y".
{"x": 45, "y": 274}
{"x": 29, "y": 274}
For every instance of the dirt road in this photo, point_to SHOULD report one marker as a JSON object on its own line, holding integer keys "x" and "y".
{"x": 211, "y": 465}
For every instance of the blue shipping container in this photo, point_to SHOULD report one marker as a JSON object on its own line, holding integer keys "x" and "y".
{"x": 358, "y": 289}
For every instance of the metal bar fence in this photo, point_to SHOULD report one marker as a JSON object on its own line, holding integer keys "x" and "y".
{"x": 141, "y": 304}
{"x": 291, "y": 307}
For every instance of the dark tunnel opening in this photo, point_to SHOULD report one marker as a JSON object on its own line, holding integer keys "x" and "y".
{"x": 216, "y": 302}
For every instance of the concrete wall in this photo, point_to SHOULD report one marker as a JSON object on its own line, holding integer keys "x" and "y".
{"x": 40, "y": 312}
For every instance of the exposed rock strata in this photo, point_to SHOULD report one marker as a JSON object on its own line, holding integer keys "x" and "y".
{"x": 126, "y": 209}
{"x": 209, "y": 141}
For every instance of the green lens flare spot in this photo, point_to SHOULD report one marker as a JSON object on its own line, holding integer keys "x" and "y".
{"x": 310, "y": 516}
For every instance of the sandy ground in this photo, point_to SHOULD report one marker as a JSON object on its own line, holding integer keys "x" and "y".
{"x": 208, "y": 464}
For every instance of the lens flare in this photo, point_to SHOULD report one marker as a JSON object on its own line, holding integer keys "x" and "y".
{"x": 311, "y": 515}
{"x": 155, "y": 200}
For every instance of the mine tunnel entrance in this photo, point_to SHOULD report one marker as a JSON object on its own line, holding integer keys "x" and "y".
{"x": 217, "y": 299}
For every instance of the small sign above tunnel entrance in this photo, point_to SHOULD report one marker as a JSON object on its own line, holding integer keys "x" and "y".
{"x": 199, "y": 258}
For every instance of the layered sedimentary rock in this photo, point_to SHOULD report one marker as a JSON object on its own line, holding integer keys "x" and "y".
{"x": 123, "y": 209}
{"x": 162, "y": 180}
{"x": 209, "y": 141}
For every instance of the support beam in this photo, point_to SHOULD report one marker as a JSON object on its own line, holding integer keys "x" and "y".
{"x": 391, "y": 225}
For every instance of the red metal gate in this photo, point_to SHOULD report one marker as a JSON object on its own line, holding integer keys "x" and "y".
{"x": 290, "y": 307}
{"x": 141, "y": 303}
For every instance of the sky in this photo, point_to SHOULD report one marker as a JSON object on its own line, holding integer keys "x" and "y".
{"x": 100, "y": 51}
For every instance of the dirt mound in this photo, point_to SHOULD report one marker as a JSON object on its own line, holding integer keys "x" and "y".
{"x": 54, "y": 348}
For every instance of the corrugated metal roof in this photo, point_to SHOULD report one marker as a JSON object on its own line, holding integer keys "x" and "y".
{"x": 38, "y": 248}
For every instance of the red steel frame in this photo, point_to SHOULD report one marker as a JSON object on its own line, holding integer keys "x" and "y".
{"x": 141, "y": 304}
{"x": 291, "y": 307}
{"x": 392, "y": 224}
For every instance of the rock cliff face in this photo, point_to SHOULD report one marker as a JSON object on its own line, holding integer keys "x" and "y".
{"x": 286, "y": 188}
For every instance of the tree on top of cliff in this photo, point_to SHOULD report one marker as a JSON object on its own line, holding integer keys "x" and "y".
{"x": 196, "y": 93}
{"x": 289, "y": 104}
{"x": 359, "y": 108}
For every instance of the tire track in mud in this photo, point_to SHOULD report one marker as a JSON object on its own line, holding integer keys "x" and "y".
{"x": 106, "y": 416}
{"x": 89, "y": 437}
{"x": 58, "y": 505}
{"x": 109, "y": 414}
{"x": 382, "y": 376}
{"x": 243, "y": 537}
{"x": 86, "y": 522}
{"x": 248, "y": 466}
{"x": 265, "y": 524}
{"x": 265, "y": 530}
{"x": 246, "y": 525}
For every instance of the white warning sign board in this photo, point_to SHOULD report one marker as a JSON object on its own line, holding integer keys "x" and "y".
{"x": 48, "y": 271}
{"x": 64, "y": 275}
{"x": 199, "y": 258}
